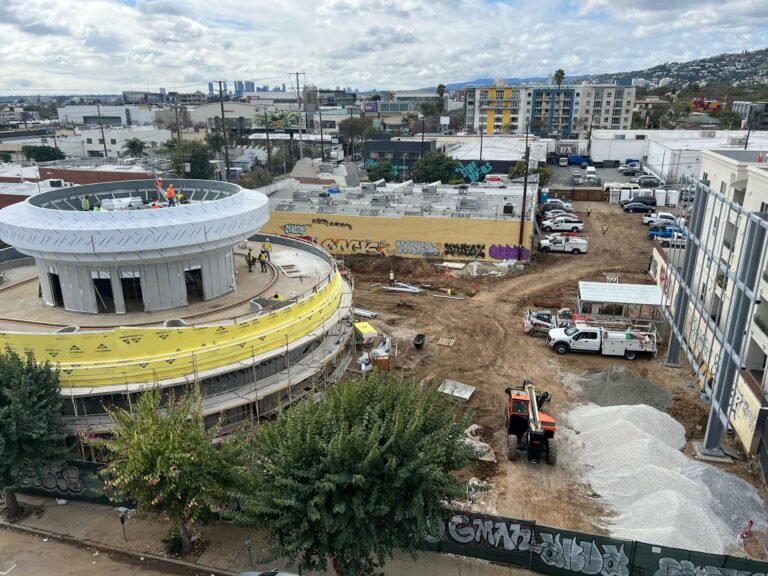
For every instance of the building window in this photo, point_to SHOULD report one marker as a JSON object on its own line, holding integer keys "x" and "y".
{"x": 499, "y": 94}
{"x": 373, "y": 155}
{"x": 498, "y": 111}
{"x": 112, "y": 141}
{"x": 89, "y": 140}
{"x": 722, "y": 188}
{"x": 389, "y": 155}
{"x": 763, "y": 206}
{"x": 101, "y": 141}
{"x": 715, "y": 224}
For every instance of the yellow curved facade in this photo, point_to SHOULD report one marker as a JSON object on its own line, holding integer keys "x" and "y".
{"x": 145, "y": 355}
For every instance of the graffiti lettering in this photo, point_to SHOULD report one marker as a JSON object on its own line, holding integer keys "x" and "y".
{"x": 295, "y": 229}
{"x": 672, "y": 567}
{"x": 324, "y": 222}
{"x": 507, "y": 252}
{"x": 416, "y": 247}
{"x": 57, "y": 478}
{"x": 493, "y": 532}
{"x": 470, "y": 250}
{"x": 472, "y": 172}
{"x": 582, "y": 556}
{"x": 366, "y": 247}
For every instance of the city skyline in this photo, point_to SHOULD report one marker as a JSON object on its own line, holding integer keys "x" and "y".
{"x": 113, "y": 45}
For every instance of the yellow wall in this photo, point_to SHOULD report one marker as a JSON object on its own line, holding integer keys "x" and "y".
{"x": 145, "y": 355}
{"x": 408, "y": 236}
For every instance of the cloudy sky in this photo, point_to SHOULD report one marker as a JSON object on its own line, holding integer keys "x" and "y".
{"x": 111, "y": 45}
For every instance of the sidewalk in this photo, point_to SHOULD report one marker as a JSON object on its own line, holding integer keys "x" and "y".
{"x": 99, "y": 526}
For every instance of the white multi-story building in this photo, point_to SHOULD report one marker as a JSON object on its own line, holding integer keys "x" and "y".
{"x": 567, "y": 111}
{"x": 92, "y": 115}
{"x": 708, "y": 292}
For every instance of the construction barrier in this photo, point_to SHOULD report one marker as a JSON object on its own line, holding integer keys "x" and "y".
{"x": 559, "y": 552}
{"x": 146, "y": 355}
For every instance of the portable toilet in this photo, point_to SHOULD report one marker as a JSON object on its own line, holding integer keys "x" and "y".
{"x": 625, "y": 194}
{"x": 673, "y": 197}
{"x": 661, "y": 197}
{"x": 544, "y": 196}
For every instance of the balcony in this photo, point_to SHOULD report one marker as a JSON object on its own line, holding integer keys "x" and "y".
{"x": 761, "y": 324}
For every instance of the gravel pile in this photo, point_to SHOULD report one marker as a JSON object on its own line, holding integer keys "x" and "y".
{"x": 661, "y": 497}
{"x": 617, "y": 385}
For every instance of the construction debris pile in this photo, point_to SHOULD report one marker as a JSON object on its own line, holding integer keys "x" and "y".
{"x": 634, "y": 462}
{"x": 618, "y": 385}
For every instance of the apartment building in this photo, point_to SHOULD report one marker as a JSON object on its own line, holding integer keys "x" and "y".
{"x": 567, "y": 111}
{"x": 716, "y": 294}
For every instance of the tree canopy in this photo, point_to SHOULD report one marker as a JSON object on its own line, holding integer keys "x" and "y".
{"x": 215, "y": 140}
{"x": 558, "y": 77}
{"x": 164, "y": 460}
{"x": 134, "y": 147}
{"x": 355, "y": 127}
{"x": 435, "y": 166}
{"x": 518, "y": 169}
{"x": 41, "y": 153}
{"x": 198, "y": 155}
{"x": 256, "y": 178}
{"x": 382, "y": 169}
{"x": 352, "y": 476}
{"x": 31, "y": 430}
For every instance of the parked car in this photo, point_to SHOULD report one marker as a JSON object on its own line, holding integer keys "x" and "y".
{"x": 620, "y": 186}
{"x": 677, "y": 241}
{"x": 649, "y": 182}
{"x": 659, "y": 218}
{"x": 557, "y": 243}
{"x": 556, "y": 206}
{"x": 638, "y": 207}
{"x": 563, "y": 223}
{"x": 650, "y": 200}
{"x": 557, "y": 203}
{"x": 633, "y": 171}
{"x": 631, "y": 166}
{"x": 666, "y": 232}
{"x": 549, "y": 214}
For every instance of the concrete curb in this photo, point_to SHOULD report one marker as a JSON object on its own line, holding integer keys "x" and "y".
{"x": 176, "y": 566}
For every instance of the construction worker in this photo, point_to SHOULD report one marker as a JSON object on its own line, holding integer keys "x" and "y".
{"x": 589, "y": 211}
{"x": 278, "y": 297}
{"x": 85, "y": 202}
{"x": 179, "y": 198}
{"x": 267, "y": 247}
{"x": 392, "y": 278}
{"x": 263, "y": 257}
{"x": 250, "y": 259}
{"x": 605, "y": 228}
{"x": 171, "y": 195}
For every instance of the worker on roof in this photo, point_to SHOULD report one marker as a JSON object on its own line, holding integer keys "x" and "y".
{"x": 171, "y": 195}
{"x": 180, "y": 199}
{"x": 392, "y": 278}
{"x": 263, "y": 260}
{"x": 278, "y": 297}
{"x": 154, "y": 205}
{"x": 267, "y": 247}
{"x": 85, "y": 202}
{"x": 250, "y": 259}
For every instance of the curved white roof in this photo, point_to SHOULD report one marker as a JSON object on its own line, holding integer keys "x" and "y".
{"x": 133, "y": 234}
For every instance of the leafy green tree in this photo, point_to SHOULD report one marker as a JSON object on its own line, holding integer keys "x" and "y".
{"x": 216, "y": 141}
{"x": 435, "y": 166}
{"x": 428, "y": 108}
{"x": 381, "y": 170}
{"x": 518, "y": 170}
{"x": 256, "y": 178}
{"x": 134, "y": 147}
{"x": 31, "y": 430}
{"x": 376, "y": 98}
{"x": 164, "y": 460}
{"x": 353, "y": 476}
{"x": 729, "y": 120}
{"x": 545, "y": 175}
{"x": 41, "y": 153}
{"x": 198, "y": 155}
{"x": 5, "y": 157}
{"x": 354, "y": 127}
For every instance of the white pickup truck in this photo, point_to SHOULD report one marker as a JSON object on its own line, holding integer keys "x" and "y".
{"x": 563, "y": 224}
{"x": 558, "y": 243}
{"x": 581, "y": 338}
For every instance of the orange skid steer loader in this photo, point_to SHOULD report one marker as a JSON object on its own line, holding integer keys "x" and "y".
{"x": 528, "y": 428}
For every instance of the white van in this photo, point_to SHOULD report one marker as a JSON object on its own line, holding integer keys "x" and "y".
{"x": 591, "y": 171}
{"x": 563, "y": 161}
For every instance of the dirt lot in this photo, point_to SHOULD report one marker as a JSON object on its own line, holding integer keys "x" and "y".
{"x": 491, "y": 351}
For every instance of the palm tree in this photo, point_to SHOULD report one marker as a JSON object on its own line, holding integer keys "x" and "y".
{"x": 216, "y": 141}
{"x": 134, "y": 147}
{"x": 559, "y": 77}
{"x": 441, "y": 92}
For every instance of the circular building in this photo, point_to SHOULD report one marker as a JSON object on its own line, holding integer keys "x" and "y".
{"x": 129, "y": 297}
{"x": 129, "y": 252}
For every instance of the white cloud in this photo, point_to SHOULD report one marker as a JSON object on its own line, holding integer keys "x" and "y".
{"x": 110, "y": 45}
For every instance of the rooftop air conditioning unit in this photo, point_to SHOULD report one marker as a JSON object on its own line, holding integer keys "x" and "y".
{"x": 430, "y": 189}
{"x": 467, "y": 204}
{"x": 301, "y": 195}
{"x": 425, "y": 206}
{"x": 737, "y": 140}
{"x": 369, "y": 187}
{"x": 406, "y": 190}
{"x": 463, "y": 189}
{"x": 707, "y": 133}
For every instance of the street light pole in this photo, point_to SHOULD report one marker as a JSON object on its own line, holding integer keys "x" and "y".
{"x": 525, "y": 194}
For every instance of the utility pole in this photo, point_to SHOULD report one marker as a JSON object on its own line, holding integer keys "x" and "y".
{"x": 525, "y": 193}
{"x": 224, "y": 132}
{"x": 481, "y": 144}
{"x": 749, "y": 126}
{"x": 179, "y": 140}
{"x": 269, "y": 147}
{"x": 300, "y": 115}
{"x": 101, "y": 125}
{"x": 422, "y": 137}
{"x": 322, "y": 146}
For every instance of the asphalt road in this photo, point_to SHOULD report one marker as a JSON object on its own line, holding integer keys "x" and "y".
{"x": 562, "y": 175}
{"x": 29, "y": 555}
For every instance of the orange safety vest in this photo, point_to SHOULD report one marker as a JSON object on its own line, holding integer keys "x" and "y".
{"x": 170, "y": 193}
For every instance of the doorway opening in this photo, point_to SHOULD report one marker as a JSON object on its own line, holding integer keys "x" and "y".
{"x": 105, "y": 300}
{"x": 55, "y": 283}
{"x": 132, "y": 295}
{"x": 194, "y": 282}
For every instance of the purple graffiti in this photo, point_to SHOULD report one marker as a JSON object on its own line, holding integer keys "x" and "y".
{"x": 507, "y": 252}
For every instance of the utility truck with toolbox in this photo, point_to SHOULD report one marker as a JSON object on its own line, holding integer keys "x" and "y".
{"x": 630, "y": 342}
{"x": 575, "y": 244}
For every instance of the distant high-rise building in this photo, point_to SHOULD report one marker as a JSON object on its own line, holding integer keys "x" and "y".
{"x": 239, "y": 88}
{"x": 210, "y": 89}
{"x": 249, "y": 87}
{"x": 224, "y": 87}
{"x": 283, "y": 86}
{"x": 265, "y": 88}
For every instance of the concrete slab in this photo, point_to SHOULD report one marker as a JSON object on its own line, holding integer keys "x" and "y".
{"x": 708, "y": 457}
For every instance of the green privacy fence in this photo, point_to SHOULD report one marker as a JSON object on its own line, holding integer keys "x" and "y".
{"x": 509, "y": 541}
{"x": 558, "y": 552}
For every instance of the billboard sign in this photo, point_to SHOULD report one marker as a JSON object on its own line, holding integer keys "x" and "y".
{"x": 279, "y": 121}
{"x": 372, "y": 106}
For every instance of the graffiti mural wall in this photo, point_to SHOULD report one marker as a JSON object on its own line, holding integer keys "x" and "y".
{"x": 407, "y": 236}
